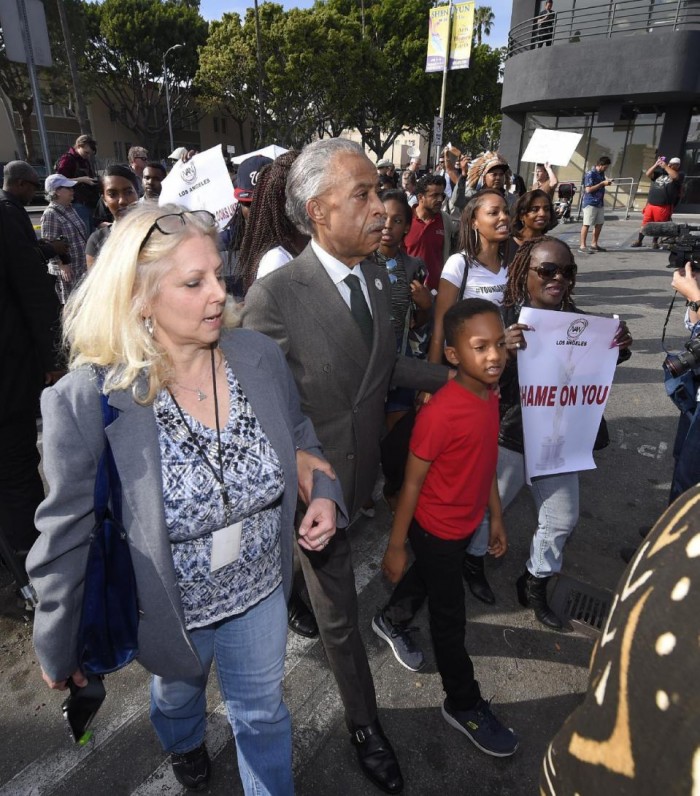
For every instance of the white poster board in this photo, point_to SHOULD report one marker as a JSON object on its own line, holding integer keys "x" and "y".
{"x": 551, "y": 146}
{"x": 565, "y": 373}
{"x": 202, "y": 183}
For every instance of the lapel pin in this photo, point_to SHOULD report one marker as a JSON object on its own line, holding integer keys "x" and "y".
{"x": 378, "y": 284}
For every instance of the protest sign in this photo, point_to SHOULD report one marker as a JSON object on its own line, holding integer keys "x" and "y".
{"x": 565, "y": 373}
{"x": 202, "y": 183}
{"x": 551, "y": 146}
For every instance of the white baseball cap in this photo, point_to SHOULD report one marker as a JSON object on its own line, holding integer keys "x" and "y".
{"x": 54, "y": 181}
{"x": 674, "y": 160}
{"x": 177, "y": 153}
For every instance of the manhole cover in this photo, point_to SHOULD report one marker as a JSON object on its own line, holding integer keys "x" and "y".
{"x": 585, "y": 605}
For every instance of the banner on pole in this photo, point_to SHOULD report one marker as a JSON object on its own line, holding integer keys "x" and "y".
{"x": 461, "y": 38}
{"x": 565, "y": 373}
{"x": 202, "y": 183}
{"x": 438, "y": 27}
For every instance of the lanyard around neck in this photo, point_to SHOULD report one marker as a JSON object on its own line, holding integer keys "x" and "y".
{"x": 220, "y": 475}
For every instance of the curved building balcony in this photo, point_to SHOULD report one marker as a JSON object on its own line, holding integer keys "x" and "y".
{"x": 646, "y": 52}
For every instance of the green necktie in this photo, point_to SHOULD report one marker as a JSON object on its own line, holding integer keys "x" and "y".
{"x": 359, "y": 309}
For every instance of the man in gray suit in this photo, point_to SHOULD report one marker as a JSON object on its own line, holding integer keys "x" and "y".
{"x": 329, "y": 309}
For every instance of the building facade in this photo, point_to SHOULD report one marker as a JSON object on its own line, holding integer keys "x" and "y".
{"x": 623, "y": 73}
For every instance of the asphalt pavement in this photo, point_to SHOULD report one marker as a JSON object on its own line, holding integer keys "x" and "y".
{"x": 535, "y": 676}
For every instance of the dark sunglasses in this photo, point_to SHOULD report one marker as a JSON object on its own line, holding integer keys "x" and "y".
{"x": 172, "y": 223}
{"x": 391, "y": 266}
{"x": 548, "y": 271}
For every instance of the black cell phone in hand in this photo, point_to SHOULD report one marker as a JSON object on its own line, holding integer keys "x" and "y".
{"x": 80, "y": 707}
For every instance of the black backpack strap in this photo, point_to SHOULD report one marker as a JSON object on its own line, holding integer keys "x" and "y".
{"x": 460, "y": 295}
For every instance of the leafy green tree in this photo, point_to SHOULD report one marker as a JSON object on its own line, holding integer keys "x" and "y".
{"x": 226, "y": 75}
{"x": 126, "y": 43}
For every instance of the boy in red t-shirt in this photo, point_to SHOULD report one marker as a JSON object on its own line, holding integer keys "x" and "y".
{"x": 450, "y": 482}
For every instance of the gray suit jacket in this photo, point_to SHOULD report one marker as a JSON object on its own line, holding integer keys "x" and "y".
{"x": 73, "y": 443}
{"x": 342, "y": 385}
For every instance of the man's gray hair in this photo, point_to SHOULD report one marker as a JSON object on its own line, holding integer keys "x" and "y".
{"x": 311, "y": 176}
{"x": 17, "y": 170}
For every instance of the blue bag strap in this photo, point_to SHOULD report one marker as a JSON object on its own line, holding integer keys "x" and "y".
{"x": 107, "y": 481}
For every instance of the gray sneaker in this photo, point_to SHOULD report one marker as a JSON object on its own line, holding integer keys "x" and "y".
{"x": 585, "y": 250}
{"x": 482, "y": 728}
{"x": 405, "y": 650}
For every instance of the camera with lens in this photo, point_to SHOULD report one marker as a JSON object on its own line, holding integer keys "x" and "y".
{"x": 678, "y": 364}
{"x": 685, "y": 246}
{"x": 685, "y": 249}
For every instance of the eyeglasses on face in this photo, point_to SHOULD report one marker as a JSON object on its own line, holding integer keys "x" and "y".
{"x": 140, "y": 157}
{"x": 548, "y": 271}
{"x": 172, "y": 223}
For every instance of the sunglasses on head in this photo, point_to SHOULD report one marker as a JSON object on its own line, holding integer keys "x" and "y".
{"x": 172, "y": 223}
{"x": 548, "y": 271}
{"x": 391, "y": 265}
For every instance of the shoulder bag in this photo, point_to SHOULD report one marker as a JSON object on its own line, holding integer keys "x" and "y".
{"x": 108, "y": 633}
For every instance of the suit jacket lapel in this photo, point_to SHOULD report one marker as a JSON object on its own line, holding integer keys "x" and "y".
{"x": 319, "y": 296}
{"x": 255, "y": 383}
{"x": 133, "y": 437}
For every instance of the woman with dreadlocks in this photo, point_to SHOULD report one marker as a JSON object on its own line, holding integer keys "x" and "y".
{"x": 542, "y": 275}
{"x": 271, "y": 240}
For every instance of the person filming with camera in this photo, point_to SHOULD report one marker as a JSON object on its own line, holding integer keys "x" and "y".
{"x": 683, "y": 374}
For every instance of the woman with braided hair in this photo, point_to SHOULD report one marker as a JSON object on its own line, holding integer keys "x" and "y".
{"x": 271, "y": 240}
{"x": 542, "y": 275}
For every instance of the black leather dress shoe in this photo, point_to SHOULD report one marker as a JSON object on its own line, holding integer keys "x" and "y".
{"x": 300, "y": 619}
{"x": 377, "y": 758}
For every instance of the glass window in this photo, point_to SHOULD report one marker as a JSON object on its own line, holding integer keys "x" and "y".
{"x": 640, "y": 154}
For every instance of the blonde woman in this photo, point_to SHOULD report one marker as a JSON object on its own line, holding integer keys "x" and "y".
{"x": 211, "y": 448}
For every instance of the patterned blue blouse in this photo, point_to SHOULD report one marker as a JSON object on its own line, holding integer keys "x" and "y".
{"x": 194, "y": 507}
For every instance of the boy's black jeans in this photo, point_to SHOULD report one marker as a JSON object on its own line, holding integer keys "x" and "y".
{"x": 437, "y": 575}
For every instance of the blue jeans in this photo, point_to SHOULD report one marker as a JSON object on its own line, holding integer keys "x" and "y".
{"x": 556, "y": 500}
{"x": 249, "y": 650}
{"x": 85, "y": 214}
{"x": 686, "y": 453}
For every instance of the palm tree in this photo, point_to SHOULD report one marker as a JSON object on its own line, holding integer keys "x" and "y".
{"x": 484, "y": 19}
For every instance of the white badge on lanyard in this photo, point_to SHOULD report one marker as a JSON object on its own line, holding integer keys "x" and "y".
{"x": 225, "y": 546}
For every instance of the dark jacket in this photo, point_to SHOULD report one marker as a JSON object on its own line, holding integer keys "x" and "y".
{"x": 342, "y": 384}
{"x": 29, "y": 312}
{"x": 72, "y": 165}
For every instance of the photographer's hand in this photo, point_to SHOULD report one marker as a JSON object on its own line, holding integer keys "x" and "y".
{"x": 685, "y": 281}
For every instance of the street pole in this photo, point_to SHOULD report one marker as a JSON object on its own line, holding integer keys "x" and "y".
{"x": 446, "y": 69}
{"x": 261, "y": 98}
{"x": 80, "y": 107}
{"x": 36, "y": 93}
{"x": 167, "y": 93}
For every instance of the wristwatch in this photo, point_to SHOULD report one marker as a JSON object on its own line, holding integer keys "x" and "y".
{"x": 693, "y": 305}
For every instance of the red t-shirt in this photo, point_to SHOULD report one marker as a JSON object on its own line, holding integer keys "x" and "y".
{"x": 458, "y": 433}
{"x": 426, "y": 240}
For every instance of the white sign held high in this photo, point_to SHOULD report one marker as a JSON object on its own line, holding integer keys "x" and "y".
{"x": 565, "y": 374}
{"x": 202, "y": 183}
{"x": 551, "y": 146}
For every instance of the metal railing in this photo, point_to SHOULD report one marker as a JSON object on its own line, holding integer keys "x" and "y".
{"x": 623, "y": 183}
{"x": 605, "y": 20}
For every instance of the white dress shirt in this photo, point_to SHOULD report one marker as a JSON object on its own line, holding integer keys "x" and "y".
{"x": 338, "y": 271}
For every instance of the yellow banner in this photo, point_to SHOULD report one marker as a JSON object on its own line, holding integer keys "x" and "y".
{"x": 461, "y": 38}
{"x": 438, "y": 27}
